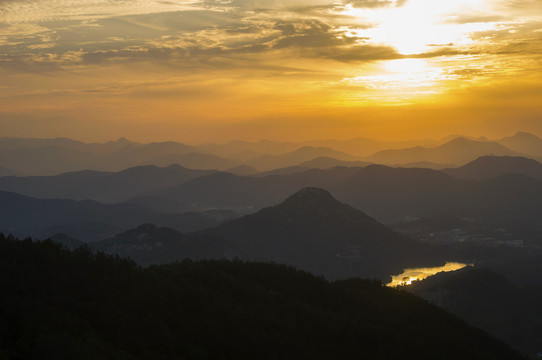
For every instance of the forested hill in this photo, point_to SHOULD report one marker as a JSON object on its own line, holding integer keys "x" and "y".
{"x": 57, "y": 304}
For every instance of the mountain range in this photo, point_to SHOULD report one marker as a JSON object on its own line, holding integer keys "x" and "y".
{"x": 297, "y": 157}
{"x": 101, "y": 186}
{"x": 366, "y": 208}
{"x": 309, "y": 230}
{"x": 490, "y": 191}
{"x": 88, "y": 220}
{"x": 458, "y": 151}
{"x": 487, "y": 167}
{"x": 55, "y": 156}
{"x": 524, "y": 143}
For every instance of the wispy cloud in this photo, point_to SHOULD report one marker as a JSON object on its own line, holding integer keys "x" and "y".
{"x": 320, "y": 51}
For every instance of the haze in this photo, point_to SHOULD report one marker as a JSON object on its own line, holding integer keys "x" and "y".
{"x": 208, "y": 71}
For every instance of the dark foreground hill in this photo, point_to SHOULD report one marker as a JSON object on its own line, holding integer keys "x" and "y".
{"x": 490, "y": 301}
{"x": 57, "y": 304}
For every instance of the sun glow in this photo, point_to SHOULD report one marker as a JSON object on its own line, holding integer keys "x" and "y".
{"x": 421, "y": 25}
{"x": 423, "y": 32}
{"x": 402, "y": 80}
{"x": 406, "y": 65}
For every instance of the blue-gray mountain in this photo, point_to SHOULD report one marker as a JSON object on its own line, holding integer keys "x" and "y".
{"x": 309, "y": 230}
{"x": 88, "y": 220}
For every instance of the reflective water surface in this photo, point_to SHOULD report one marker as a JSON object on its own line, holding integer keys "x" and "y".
{"x": 412, "y": 274}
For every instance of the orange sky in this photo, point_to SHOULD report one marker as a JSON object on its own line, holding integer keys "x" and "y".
{"x": 216, "y": 70}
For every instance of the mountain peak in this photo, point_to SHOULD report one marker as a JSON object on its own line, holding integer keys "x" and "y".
{"x": 310, "y": 196}
{"x": 523, "y": 134}
{"x": 460, "y": 140}
{"x": 313, "y": 202}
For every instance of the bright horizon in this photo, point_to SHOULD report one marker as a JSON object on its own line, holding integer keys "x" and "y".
{"x": 214, "y": 71}
{"x": 437, "y": 140}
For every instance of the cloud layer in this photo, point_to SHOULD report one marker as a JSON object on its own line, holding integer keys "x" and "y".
{"x": 57, "y": 56}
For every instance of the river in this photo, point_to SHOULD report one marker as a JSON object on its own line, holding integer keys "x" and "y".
{"x": 413, "y": 274}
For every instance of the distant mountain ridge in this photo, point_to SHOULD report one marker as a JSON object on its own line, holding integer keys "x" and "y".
{"x": 359, "y": 146}
{"x": 22, "y": 214}
{"x": 325, "y": 162}
{"x": 55, "y": 156}
{"x": 487, "y": 167}
{"x": 296, "y": 157}
{"x": 457, "y": 151}
{"x": 310, "y": 230}
{"x": 101, "y": 186}
{"x": 90, "y": 220}
{"x": 389, "y": 194}
{"x": 523, "y": 142}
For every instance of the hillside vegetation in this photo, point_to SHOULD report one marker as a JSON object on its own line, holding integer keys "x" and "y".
{"x": 84, "y": 305}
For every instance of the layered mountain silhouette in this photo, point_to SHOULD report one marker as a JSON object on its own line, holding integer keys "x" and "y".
{"x": 283, "y": 171}
{"x": 242, "y": 170}
{"x": 388, "y": 194}
{"x": 55, "y": 156}
{"x": 225, "y": 190}
{"x": 12, "y": 143}
{"x": 324, "y": 162}
{"x": 314, "y": 231}
{"x": 310, "y": 230}
{"x": 364, "y": 147}
{"x": 303, "y": 154}
{"x": 487, "y": 167}
{"x": 394, "y": 193}
{"x": 193, "y": 160}
{"x": 101, "y": 186}
{"x": 243, "y": 150}
{"x": 25, "y": 215}
{"x": 485, "y": 192}
{"x": 148, "y": 244}
{"x": 457, "y": 151}
{"x": 89, "y": 220}
{"x": 524, "y": 143}
{"x": 427, "y": 165}
{"x": 47, "y": 160}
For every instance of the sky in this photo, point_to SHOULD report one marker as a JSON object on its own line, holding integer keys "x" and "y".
{"x": 217, "y": 70}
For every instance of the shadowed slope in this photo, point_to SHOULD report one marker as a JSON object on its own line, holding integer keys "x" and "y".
{"x": 487, "y": 167}
{"x": 488, "y": 300}
{"x": 61, "y": 305}
{"x": 314, "y": 231}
